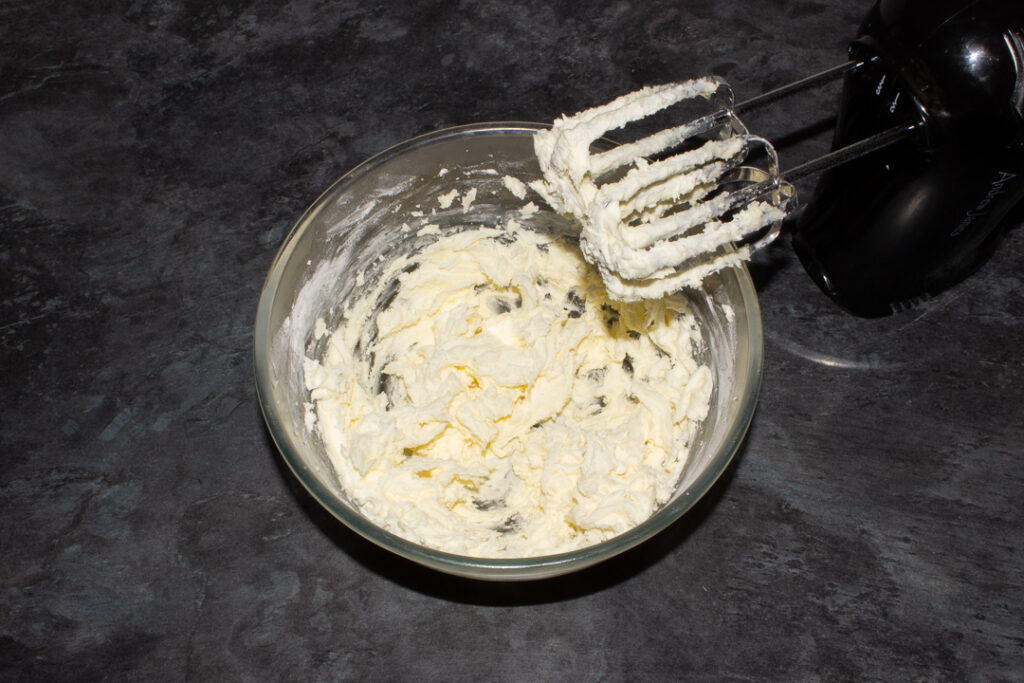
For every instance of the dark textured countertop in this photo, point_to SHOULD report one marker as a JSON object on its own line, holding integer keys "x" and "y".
{"x": 153, "y": 156}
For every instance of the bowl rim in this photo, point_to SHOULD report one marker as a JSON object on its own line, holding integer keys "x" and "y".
{"x": 498, "y": 569}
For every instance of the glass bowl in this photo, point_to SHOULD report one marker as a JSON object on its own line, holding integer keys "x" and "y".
{"x": 338, "y": 246}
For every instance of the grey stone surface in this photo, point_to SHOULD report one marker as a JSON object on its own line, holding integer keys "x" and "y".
{"x": 153, "y": 156}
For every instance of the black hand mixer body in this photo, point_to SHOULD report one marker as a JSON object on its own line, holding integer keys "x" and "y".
{"x": 890, "y": 229}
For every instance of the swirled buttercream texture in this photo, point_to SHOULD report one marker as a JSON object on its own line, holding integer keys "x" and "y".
{"x": 489, "y": 399}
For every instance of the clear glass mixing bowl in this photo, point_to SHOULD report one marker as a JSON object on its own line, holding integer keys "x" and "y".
{"x": 338, "y": 246}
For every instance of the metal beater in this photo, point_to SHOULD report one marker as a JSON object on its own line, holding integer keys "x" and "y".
{"x": 927, "y": 161}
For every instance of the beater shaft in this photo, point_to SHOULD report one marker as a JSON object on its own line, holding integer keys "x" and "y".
{"x": 852, "y": 151}
{"x": 839, "y": 156}
{"x": 814, "y": 81}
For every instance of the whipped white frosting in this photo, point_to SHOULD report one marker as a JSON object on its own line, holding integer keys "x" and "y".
{"x": 654, "y": 227}
{"x": 489, "y": 399}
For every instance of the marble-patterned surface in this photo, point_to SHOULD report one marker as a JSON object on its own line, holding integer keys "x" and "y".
{"x": 152, "y": 157}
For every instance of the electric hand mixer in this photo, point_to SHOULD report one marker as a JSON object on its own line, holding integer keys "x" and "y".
{"x": 927, "y": 160}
